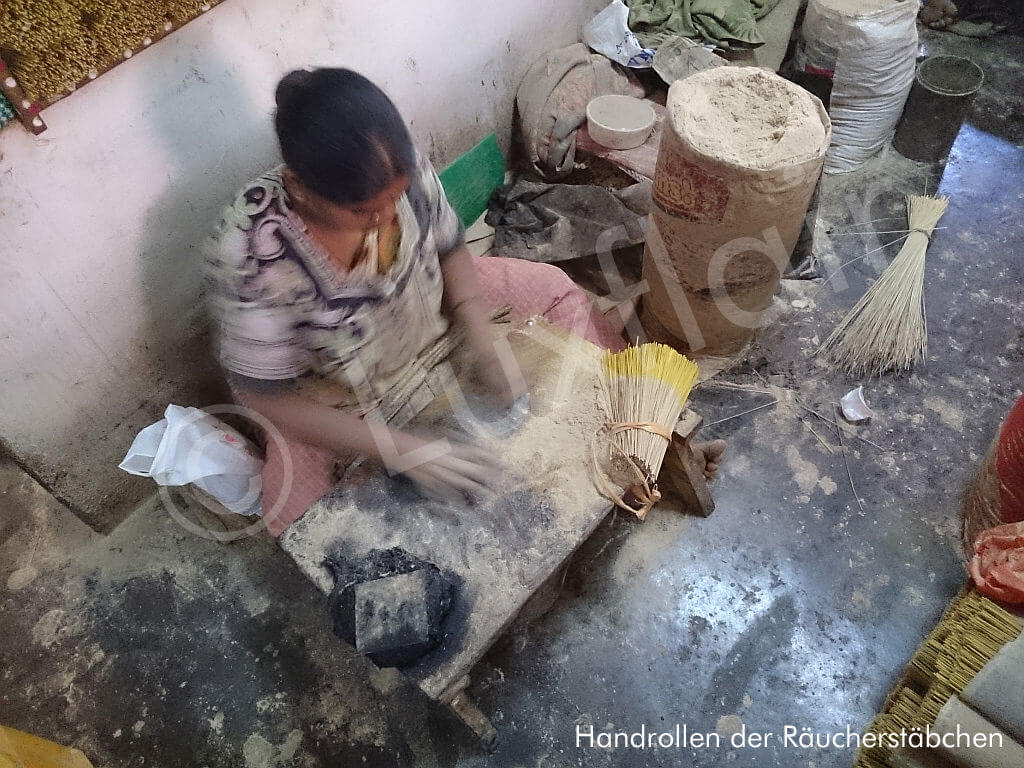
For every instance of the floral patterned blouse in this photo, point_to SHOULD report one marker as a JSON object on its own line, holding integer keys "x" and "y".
{"x": 284, "y": 314}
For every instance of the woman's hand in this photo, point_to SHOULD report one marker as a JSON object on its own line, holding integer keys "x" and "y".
{"x": 505, "y": 386}
{"x": 450, "y": 471}
{"x": 464, "y": 304}
{"x": 502, "y": 378}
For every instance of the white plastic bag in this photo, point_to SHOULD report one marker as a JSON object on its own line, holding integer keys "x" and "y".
{"x": 870, "y": 51}
{"x": 191, "y": 446}
{"x": 608, "y": 33}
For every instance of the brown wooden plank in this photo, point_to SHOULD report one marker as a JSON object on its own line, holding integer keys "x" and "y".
{"x": 682, "y": 476}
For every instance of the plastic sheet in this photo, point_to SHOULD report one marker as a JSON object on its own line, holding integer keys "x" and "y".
{"x": 189, "y": 446}
{"x": 608, "y": 33}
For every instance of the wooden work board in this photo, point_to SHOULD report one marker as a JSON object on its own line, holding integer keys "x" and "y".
{"x": 503, "y": 550}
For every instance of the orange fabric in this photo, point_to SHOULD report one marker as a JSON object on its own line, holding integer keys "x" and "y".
{"x": 530, "y": 288}
{"x": 997, "y": 567}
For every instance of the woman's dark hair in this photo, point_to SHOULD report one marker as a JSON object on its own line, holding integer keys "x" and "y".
{"x": 341, "y": 134}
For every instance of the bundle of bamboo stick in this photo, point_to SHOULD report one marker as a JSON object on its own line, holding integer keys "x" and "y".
{"x": 887, "y": 329}
{"x": 972, "y": 631}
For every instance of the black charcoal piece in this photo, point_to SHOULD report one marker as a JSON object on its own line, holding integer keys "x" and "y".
{"x": 390, "y": 604}
{"x": 392, "y": 618}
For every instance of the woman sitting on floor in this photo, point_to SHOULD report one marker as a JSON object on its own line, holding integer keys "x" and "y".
{"x": 335, "y": 271}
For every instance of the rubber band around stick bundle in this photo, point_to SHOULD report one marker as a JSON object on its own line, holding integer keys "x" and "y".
{"x": 651, "y": 495}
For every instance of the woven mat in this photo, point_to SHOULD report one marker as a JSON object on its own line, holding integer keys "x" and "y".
{"x": 53, "y": 46}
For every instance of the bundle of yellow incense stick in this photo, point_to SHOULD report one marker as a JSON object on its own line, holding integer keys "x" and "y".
{"x": 646, "y": 388}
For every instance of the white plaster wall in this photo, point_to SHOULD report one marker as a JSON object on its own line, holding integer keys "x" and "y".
{"x": 101, "y": 215}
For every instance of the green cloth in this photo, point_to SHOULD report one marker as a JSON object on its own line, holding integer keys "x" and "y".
{"x": 6, "y": 111}
{"x": 726, "y": 23}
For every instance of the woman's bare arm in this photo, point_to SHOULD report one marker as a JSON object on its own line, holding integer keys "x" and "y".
{"x": 443, "y": 469}
{"x": 304, "y": 419}
{"x": 463, "y": 296}
{"x": 464, "y": 303}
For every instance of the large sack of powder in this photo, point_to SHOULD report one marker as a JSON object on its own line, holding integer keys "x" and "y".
{"x": 869, "y": 49}
{"x": 740, "y": 155}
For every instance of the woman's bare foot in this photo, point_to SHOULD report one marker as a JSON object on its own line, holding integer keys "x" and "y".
{"x": 710, "y": 453}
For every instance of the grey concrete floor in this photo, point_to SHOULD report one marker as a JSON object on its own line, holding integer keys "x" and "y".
{"x": 791, "y": 605}
{"x": 153, "y": 646}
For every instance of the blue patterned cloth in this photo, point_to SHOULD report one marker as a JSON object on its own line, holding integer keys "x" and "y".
{"x": 6, "y": 111}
